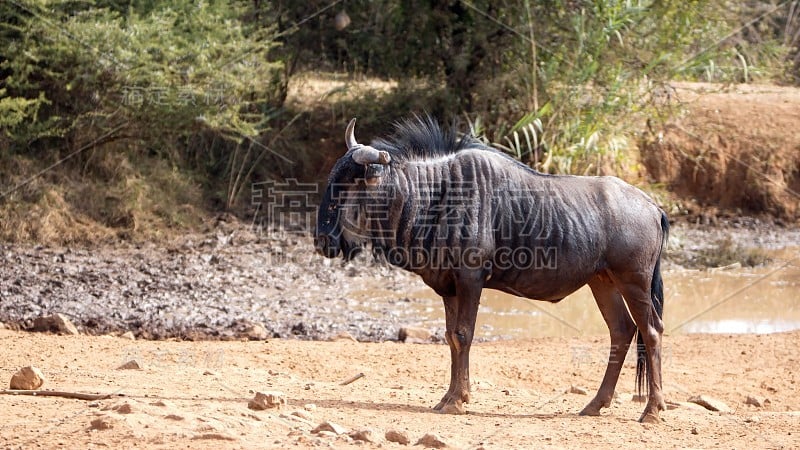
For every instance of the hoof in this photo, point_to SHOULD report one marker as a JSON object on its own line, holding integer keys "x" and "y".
{"x": 450, "y": 405}
{"x": 451, "y": 408}
{"x": 589, "y": 410}
{"x": 650, "y": 418}
{"x": 594, "y": 407}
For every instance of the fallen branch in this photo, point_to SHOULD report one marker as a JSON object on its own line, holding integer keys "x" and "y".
{"x": 350, "y": 380}
{"x": 76, "y": 395}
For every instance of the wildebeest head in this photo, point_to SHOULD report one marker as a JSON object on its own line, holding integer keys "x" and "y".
{"x": 341, "y": 222}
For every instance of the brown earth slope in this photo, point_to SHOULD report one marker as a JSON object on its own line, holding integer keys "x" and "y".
{"x": 731, "y": 147}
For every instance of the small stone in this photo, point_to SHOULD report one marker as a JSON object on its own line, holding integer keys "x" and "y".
{"x": 128, "y": 335}
{"x": 578, "y": 390}
{"x": 756, "y": 401}
{"x": 123, "y": 408}
{"x": 343, "y": 336}
{"x": 173, "y": 417}
{"x": 57, "y": 323}
{"x": 267, "y": 400}
{"x": 431, "y": 440}
{"x": 303, "y": 414}
{"x": 27, "y": 378}
{"x": 694, "y": 430}
{"x": 256, "y": 332}
{"x": 672, "y": 405}
{"x": 365, "y": 435}
{"x": 326, "y": 434}
{"x": 414, "y": 335}
{"x": 310, "y": 407}
{"x": 130, "y": 365}
{"x": 331, "y": 427}
{"x": 685, "y": 405}
{"x": 710, "y": 403}
{"x": 101, "y": 423}
{"x": 752, "y": 419}
{"x": 400, "y": 437}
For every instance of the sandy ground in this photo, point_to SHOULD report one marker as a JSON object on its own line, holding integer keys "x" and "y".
{"x": 195, "y": 394}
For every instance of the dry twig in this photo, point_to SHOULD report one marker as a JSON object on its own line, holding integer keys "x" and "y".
{"x": 76, "y": 395}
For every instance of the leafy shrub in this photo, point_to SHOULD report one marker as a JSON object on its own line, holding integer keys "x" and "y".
{"x": 80, "y": 75}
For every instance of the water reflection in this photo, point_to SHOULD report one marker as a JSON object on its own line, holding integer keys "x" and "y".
{"x": 731, "y": 301}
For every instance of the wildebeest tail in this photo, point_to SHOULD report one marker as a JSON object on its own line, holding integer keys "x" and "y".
{"x": 657, "y": 297}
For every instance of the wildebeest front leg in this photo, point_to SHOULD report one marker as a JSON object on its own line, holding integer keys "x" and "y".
{"x": 621, "y": 328}
{"x": 460, "y": 314}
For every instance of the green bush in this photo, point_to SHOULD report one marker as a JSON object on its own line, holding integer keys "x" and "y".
{"x": 151, "y": 74}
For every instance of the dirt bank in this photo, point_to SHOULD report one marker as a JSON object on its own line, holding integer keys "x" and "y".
{"x": 731, "y": 148}
{"x": 195, "y": 394}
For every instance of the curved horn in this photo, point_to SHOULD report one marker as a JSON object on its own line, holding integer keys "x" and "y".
{"x": 349, "y": 137}
{"x": 364, "y": 154}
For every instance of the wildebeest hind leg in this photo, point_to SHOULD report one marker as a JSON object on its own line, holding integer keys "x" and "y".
{"x": 637, "y": 297}
{"x": 460, "y": 315}
{"x": 621, "y": 328}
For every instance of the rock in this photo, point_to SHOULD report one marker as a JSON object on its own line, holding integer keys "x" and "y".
{"x": 267, "y": 400}
{"x": 310, "y": 407}
{"x": 330, "y": 427}
{"x": 366, "y": 435}
{"x": 756, "y": 401}
{"x": 694, "y": 430}
{"x": 431, "y": 440}
{"x": 123, "y": 408}
{"x": 128, "y": 335}
{"x": 256, "y": 332}
{"x": 130, "y": 365}
{"x": 400, "y": 437}
{"x": 414, "y": 335}
{"x": 326, "y": 434}
{"x": 27, "y": 378}
{"x": 296, "y": 418}
{"x": 57, "y": 323}
{"x": 578, "y": 390}
{"x": 173, "y": 417}
{"x": 752, "y": 419}
{"x": 343, "y": 336}
{"x": 101, "y": 423}
{"x": 303, "y": 414}
{"x": 688, "y": 405}
{"x": 710, "y": 403}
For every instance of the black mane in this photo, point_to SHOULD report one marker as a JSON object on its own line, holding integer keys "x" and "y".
{"x": 423, "y": 138}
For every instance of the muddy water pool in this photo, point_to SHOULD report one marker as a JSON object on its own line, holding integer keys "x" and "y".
{"x": 733, "y": 300}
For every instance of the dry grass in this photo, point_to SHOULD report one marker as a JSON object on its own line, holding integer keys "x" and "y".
{"x": 724, "y": 252}
{"x": 102, "y": 201}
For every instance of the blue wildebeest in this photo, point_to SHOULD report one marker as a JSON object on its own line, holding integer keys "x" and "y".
{"x": 466, "y": 217}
